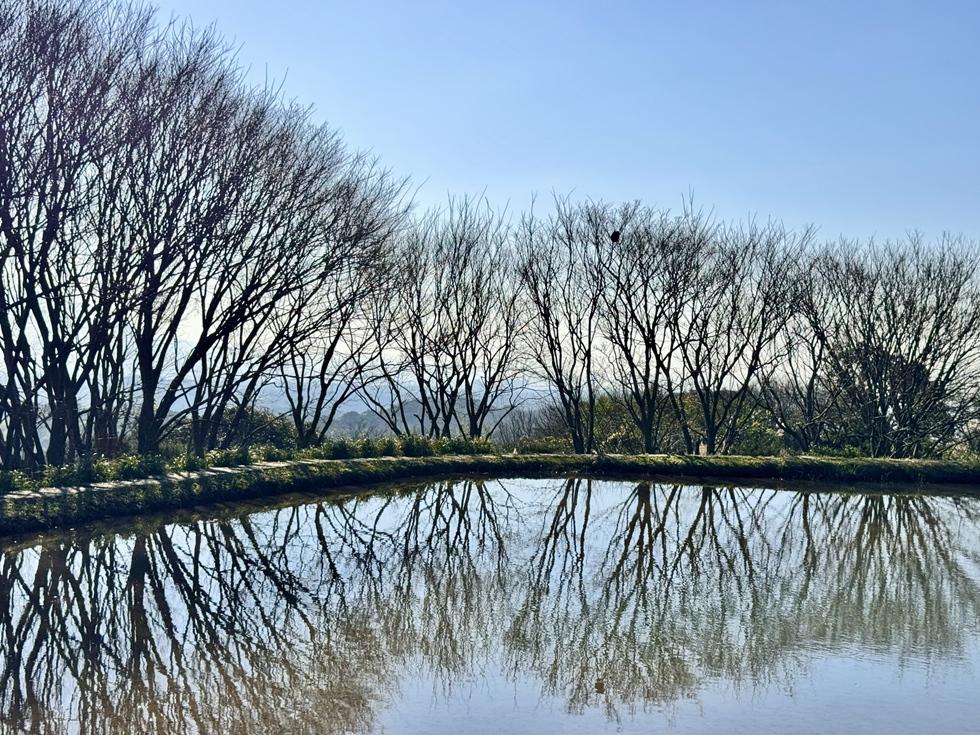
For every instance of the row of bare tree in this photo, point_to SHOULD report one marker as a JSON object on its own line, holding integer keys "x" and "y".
{"x": 701, "y": 330}
{"x": 170, "y": 237}
{"x": 178, "y": 247}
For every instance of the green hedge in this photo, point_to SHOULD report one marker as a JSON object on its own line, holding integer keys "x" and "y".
{"x": 135, "y": 467}
{"x": 32, "y": 510}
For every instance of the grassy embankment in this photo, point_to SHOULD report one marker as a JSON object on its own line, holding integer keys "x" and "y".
{"x": 33, "y": 509}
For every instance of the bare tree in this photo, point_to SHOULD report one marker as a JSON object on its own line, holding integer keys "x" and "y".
{"x": 563, "y": 275}
{"x": 739, "y": 300}
{"x": 648, "y": 273}
{"x": 178, "y": 247}
{"x": 795, "y": 387}
{"x": 168, "y": 234}
{"x": 62, "y": 71}
{"x": 331, "y": 345}
{"x": 901, "y": 331}
{"x": 446, "y": 333}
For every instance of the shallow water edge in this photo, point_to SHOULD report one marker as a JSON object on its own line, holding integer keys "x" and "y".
{"x": 60, "y": 507}
{"x": 519, "y": 605}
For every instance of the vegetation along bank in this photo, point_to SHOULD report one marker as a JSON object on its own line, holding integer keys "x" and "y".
{"x": 33, "y": 509}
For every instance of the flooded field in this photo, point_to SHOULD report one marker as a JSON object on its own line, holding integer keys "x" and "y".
{"x": 509, "y": 606}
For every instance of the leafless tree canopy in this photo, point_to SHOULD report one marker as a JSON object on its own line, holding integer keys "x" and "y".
{"x": 180, "y": 248}
{"x": 445, "y": 332}
{"x": 172, "y": 240}
{"x": 898, "y": 329}
{"x": 561, "y": 270}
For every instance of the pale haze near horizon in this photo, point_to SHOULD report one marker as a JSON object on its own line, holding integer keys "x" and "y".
{"x": 861, "y": 120}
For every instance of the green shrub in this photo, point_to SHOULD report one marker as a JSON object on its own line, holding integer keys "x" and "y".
{"x": 388, "y": 447}
{"x": 136, "y": 467}
{"x": 104, "y": 469}
{"x": 270, "y": 453}
{"x": 625, "y": 439}
{"x": 187, "y": 463}
{"x": 416, "y": 446}
{"x": 132, "y": 467}
{"x": 14, "y": 480}
{"x": 544, "y": 445}
{"x": 461, "y": 445}
{"x": 758, "y": 438}
{"x": 227, "y": 457}
{"x": 64, "y": 476}
{"x": 340, "y": 449}
{"x": 366, "y": 447}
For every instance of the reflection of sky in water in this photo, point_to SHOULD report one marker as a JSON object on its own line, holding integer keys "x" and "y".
{"x": 510, "y": 606}
{"x": 836, "y": 696}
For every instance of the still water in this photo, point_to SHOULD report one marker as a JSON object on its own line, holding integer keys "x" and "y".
{"x": 512, "y": 606}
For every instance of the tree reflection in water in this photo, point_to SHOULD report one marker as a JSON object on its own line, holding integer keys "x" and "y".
{"x": 610, "y": 595}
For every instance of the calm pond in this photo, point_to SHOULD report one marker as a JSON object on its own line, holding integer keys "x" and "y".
{"x": 512, "y": 606}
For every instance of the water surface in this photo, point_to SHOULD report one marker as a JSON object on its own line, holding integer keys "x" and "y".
{"x": 508, "y": 606}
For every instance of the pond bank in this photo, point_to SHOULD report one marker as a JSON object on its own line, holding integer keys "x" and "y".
{"x": 31, "y": 510}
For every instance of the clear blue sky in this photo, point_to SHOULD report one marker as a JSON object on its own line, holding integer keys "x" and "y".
{"x": 863, "y": 118}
